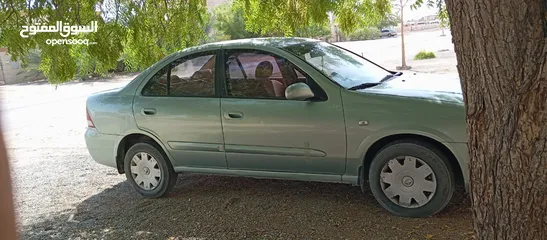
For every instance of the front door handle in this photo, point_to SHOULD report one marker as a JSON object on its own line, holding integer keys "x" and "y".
{"x": 233, "y": 115}
{"x": 148, "y": 111}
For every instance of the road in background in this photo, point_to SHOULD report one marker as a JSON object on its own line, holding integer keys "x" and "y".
{"x": 387, "y": 51}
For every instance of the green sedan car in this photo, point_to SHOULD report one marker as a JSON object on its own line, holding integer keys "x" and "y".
{"x": 286, "y": 108}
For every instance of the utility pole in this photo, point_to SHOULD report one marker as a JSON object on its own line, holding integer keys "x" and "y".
{"x": 403, "y": 57}
{"x": 2, "y": 70}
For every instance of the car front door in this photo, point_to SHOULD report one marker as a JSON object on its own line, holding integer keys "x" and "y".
{"x": 180, "y": 106}
{"x": 264, "y": 131}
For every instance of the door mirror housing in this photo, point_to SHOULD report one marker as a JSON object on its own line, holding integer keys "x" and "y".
{"x": 298, "y": 91}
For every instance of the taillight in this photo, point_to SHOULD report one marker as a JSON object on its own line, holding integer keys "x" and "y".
{"x": 89, "y": 121}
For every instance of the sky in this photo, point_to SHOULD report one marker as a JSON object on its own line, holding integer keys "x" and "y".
{"x": 423, "y": 11}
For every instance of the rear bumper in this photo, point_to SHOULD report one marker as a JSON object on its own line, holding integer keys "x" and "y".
{"x": 102, "y": 147}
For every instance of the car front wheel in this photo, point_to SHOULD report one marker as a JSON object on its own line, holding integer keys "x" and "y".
{"x": 148, "y": 171}
{"x": 411, "y": 179}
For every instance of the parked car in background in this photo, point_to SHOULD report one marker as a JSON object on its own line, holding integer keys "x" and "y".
{"x": 387, "y": 33}
{"x": 286, "y": 108}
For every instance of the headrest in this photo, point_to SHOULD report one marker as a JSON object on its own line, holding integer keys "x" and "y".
{"x": 203, "y": 74}
{"x": 264, "y": 70}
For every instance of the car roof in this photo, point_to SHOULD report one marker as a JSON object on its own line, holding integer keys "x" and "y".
{"x": 275, "y": 42}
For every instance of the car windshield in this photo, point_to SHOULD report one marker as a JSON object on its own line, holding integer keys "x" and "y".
{"x": 340, "y": 65}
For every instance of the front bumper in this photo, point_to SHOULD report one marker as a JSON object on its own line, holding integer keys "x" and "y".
{"x": 102, "y": 147}
{"x": 461, "y": 152}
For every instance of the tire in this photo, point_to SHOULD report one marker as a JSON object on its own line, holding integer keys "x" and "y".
{"x": 149, "y": 170}
{"x": 408, "y": 181}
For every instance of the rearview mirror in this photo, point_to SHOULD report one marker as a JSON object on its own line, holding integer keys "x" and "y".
{"x": 298, "y": 91}
{"x": 316, "y": 53}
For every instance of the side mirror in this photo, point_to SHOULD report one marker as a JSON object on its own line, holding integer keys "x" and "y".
{"x": 298, "y": 91}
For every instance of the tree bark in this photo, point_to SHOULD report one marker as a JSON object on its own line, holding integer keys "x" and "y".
{"x": 501, "y": 47}
{"x": 7, "y": 213}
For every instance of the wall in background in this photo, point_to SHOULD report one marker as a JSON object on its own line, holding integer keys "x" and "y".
{"x": 11, "y": 71}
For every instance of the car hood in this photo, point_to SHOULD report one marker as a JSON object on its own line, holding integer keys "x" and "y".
{"x": 436, "y": 87}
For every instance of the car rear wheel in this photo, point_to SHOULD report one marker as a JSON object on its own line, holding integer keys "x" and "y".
{"x": 411, "y": 179}
{"x": 148, "y": 171}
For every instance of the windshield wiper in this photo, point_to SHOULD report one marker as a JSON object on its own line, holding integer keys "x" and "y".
{"x": 369, "y": 84}
{"x": 364, "y": 85}
{"x": 389, "y": 76}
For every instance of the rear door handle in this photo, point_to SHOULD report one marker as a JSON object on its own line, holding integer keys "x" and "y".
{"x": 148, "y": 111}
{"x": 233, "y": 115}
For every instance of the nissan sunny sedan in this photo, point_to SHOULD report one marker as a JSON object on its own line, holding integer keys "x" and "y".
{"x": 286, "y": 108}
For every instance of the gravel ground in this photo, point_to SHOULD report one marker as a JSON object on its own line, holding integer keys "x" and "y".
{"x": 61, "y": 193}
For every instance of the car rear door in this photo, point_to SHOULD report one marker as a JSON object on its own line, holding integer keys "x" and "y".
{"x": 179, "y": 105}
{"x": 264, "y": 131}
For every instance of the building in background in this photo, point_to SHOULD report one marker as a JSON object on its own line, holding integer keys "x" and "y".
{"x": 13, "y": 72}
{"x": 8, "y": 69}
{"x": 422, "y": 23}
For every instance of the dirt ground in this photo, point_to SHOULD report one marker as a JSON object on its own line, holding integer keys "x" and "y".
{"x": 61, "y": 193}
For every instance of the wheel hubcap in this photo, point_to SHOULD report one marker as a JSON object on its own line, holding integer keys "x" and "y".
{"x": 408, "y": 181}
{"x": 145, "y": 171}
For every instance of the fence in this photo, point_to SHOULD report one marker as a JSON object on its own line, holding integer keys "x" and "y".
{"x": 418, "y": 27}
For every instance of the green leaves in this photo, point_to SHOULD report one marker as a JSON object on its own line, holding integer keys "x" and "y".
{"x": 142, "y": 32}
{"x": 429, "y": 3}
{"x": 443, "y": 16}
{"x": 229, "y": 20}
{"x": 289, "y": 15}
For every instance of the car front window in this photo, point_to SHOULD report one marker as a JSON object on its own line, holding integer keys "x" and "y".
{"x": 340, "y": 65}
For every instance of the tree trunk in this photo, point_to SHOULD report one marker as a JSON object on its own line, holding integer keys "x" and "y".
{"x": 501, "y": 47}
{"x": 7, "y": 213}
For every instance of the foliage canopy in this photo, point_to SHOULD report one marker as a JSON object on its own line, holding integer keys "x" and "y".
{"x": 142, "y": 32}
{"x": 229, "y": 23}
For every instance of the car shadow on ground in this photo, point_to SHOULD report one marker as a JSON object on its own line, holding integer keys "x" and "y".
{"x": 219, "y": 207}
